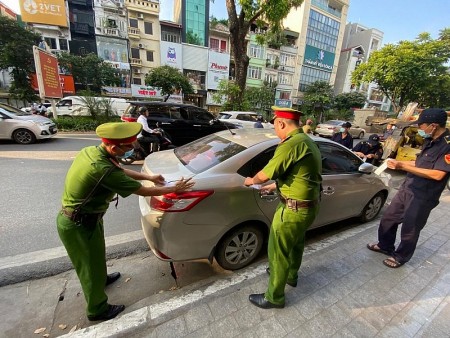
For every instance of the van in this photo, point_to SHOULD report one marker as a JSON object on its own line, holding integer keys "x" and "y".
{"x": 76, "y": 106}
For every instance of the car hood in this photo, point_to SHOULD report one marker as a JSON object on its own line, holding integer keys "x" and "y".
{"x": 34, "y": 118}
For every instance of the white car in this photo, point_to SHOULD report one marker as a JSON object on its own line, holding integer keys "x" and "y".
{"x": 243, "y": 119}
{"x": 78, "y": 105}
{"x": 23, "y": 127}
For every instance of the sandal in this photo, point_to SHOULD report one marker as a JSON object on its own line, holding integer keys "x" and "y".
{"x": 391, "y": 262}
{"x": 376, "y": 248}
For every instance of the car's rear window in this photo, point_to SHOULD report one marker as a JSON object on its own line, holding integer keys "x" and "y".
{"x": 207, "y": 152}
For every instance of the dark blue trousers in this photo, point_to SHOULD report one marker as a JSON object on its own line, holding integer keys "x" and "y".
{"x": 410, "y": 211}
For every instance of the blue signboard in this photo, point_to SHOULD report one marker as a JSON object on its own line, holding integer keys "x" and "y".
{"x": 318, "y": 58}
{"x": 283, "y": 103}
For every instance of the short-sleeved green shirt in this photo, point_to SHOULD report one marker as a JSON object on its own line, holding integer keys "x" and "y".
{"x": 297, "y": 167}
{"x": 86, "y": 170}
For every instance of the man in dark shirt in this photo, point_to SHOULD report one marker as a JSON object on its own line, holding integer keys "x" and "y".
{"x": 343, "y": 136}
{"x": 420, "y": 192}
{"x": 370, "y": 149}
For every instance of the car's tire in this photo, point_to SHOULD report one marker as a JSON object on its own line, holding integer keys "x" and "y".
{"x": 373, "y": 207}
{"x": 361, "y": 135}
{"x": 239, "y": 247}
{"x": 24, "y": 136}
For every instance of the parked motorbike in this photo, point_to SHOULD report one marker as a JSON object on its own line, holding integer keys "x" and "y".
{"x": 142, "y": 150}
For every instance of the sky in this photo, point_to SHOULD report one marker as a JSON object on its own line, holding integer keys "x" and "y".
{"x": 397, "y": 19}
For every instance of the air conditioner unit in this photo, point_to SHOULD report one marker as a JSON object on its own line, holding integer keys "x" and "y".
{"x": 141, "y": 46}
{"x": 137, "y": 71}
{"x": 140, "y": 16}
{"x": 121, "y": 12}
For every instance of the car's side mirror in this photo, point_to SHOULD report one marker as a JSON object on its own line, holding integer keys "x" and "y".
{"x": 366, "y": 168}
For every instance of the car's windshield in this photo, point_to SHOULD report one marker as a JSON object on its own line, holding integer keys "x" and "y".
{"x": 12, "y": 111}
{"x": 333, "y": 122}
{"x": 207, "y": 152}
{"x": 224, "y": 116}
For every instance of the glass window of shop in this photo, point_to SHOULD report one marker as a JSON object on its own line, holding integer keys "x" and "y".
{"x": 322, "y": 31}
{"x": 310, "y": 75}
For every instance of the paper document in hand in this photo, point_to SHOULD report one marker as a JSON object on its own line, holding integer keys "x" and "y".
{"x": 381, "y": 168}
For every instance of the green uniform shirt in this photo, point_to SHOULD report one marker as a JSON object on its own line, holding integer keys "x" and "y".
{"x": 86, "y": 170}
{"x": 297, "y": 167}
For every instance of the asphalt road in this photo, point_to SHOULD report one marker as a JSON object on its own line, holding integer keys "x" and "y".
{"x": 32, "y": 180}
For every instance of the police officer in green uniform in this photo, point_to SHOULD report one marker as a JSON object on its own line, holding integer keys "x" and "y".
{"x": 296, "y": 166}
{"x": 91, "y": 183}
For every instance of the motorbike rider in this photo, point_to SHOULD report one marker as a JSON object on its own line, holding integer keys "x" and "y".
{"x": 148, "y": 137}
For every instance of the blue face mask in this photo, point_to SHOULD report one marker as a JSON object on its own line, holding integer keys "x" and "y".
{"x": 342, "y": 130}
{"x": 423, "y": 134}
{"x": 127, "y": 154}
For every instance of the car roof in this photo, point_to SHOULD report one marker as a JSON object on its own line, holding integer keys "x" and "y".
{"x": 248, "y": 137}
{"x": 238, "y": 112}
{"x": 160, "y": 103}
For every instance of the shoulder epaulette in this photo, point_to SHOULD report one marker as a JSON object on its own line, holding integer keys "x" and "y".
{"x": 447, "y": 139}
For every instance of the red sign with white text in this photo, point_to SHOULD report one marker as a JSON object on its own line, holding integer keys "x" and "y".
{"x": 66, "y": 81}
{"x": 47, "y": 74}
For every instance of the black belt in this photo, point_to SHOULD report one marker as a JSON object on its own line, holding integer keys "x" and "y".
{"x": 295, "y": 204}
{"x": 79, "y": 218}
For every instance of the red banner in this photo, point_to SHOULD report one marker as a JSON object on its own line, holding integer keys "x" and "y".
{"x": 66, "y": 82}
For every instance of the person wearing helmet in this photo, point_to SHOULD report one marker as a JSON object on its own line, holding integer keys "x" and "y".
{"x": 147, "y": 136}
{"x": 258, "y": 123}
{"x": 307, "y": 129}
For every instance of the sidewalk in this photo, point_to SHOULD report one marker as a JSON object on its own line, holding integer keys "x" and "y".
{"x": 344, "y": 290}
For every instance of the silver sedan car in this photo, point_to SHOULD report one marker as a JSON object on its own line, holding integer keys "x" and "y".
{"x": 223, "y": 219}
{"x": 329, "y": 128}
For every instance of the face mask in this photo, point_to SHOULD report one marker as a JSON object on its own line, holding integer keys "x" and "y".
{"x": 127, "y": 154}
{"x": 342, "y": 130}
{"x": 423, "y": 134}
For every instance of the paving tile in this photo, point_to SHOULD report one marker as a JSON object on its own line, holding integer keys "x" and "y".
{"x": 392, "y": 332}
{"x": 225, "y": 327}
{"x": 222, "y": 306}
{"x": 308, "y": 307}
{"x": 240, "y": 297}
{"x": 198, "y": 317}
{"x": 344, "y": 333}
{"x": 320, "y": 326}
{"x": 247, "y": 317}
{"x": 204, "y": 332}
{"x": 324, "y": 298}
{"x": 270, "y": 328}
{"x": 379, "y": 316}
{"x": 290, "y": 318}
{"x": 362, "y": 328}
{"x": 172, "y": 328}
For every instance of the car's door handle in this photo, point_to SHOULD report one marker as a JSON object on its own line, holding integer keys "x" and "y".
{"x": 197, "y": 125}
{"x": 164, "y": 122}
{"x": 328, "y": 190}
{"x": 268, "y": 198}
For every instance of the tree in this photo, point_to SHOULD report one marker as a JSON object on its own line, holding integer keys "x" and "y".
{"x": 91, "y": 71}
{"x": 225, "y": 90}
{"x": 261, "y": 98}
{"x": 408, "y": 71}
{"x": 251, "y": 12}
{"x": 168, "y": 80}
{"x": 318, "y": 97}
{"x": 347, "y": 101}
{"x": 16, "y": 52}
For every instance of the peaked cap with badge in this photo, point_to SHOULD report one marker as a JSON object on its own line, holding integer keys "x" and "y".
{"x": 286, "y": 113}
{"x": 118, "y": 133}
{"x": 432, "y": 115}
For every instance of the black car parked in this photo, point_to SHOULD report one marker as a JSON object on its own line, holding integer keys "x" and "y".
{"x": 182, "y": 122}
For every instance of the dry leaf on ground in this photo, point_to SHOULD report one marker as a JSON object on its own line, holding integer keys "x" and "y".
{"x": 127, "y": 280}
{"x": 37, "y": 331}
{"x": 62, "y": 326}
{"x": 73, "y": 329}
{"x": 46, "y": 335}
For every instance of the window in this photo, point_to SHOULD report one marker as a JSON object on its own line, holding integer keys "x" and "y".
{"x": 254, "y": 72}
{"x": 148, "y": 28}
{"x": 170, "y": 37}
{"x": 310, "y": 75}
{"x": 322, "y": 32}
{"x": 51, "y": 42}
{"x": 137, "y": 81}
{"x": 258, "y": 162}
{"x": 285, "y": 95}
{"x": 336, "y": 160}
{"x": 223, "y": 46}
{"x": 150, "y": 56}
{"x": 135, "y": 53}
{"x": 256, "y": 51}
{"x": 63, "y": 45}
{"x": 133, "y": 23}
{"x": 214, "y": 43}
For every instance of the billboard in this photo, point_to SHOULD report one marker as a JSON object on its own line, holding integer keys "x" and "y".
{"x": 66, "y": 82}
{"x": 47, "y": 71}
{"x": 171, "y": 54}
{"x": 218, "y": 68}
{"x": 49, "y": 12}
{"x": 318, "y": 58}
{"x": 149, "y": 92}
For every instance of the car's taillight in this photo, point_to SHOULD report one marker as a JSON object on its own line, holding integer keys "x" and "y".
{"x": 176, "y": 202}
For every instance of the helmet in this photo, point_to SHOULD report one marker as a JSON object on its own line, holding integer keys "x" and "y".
{"x": 142, "y": 110}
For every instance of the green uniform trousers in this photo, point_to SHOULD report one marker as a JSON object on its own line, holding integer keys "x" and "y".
{"x": 86, "y": 249}
{"x": 286, "y": 244}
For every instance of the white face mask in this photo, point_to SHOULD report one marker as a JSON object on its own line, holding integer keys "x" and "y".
{"x": 342, "y": 129}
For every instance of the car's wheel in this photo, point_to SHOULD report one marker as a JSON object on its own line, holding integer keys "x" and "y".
{"x": 239, "y": 247}
{"x": 24, "y": 136}
{"x": 373, "y": 207}
{"x": 361, "y": 135}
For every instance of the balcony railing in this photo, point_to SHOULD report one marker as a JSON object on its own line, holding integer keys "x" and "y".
{"x": 111, "y": 31}
{"x": 133, "y": 33}
{"x": 136, "y": 62}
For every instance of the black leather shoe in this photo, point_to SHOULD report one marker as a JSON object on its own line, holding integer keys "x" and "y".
{"x": 112, "y": 277}
{"x": 111, "y": 312}
{"x": 259, "y": 300}
{"x": 293, "y": 284}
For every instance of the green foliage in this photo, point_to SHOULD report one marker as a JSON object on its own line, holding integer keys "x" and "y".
{"x": 168, "y": 80}
{"x": 319, "y": 97}
{"x": 346, "y": 101}
{"x": 99, "y": 109}
{"x": 193, "y": 38}
{"x": 213, "y": 21}
{"x": 410, "y": 70}
{"x": 261, "y": 99}
{"x": 90, "y": 71}
{"x": 16, "y": 51}
{"x": 226, "y": 90}
{"x": 82, "y": 123}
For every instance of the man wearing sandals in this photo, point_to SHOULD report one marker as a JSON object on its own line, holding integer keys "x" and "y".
{"x": 419, "y": 193}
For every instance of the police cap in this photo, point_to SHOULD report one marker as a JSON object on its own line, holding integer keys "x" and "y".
{"x": 374, "y": 139}
{"x": 286, "y": 113}
{"x": 118, "y": 133}
{"x": 432, "y": 115}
